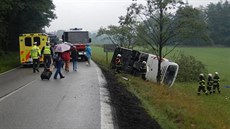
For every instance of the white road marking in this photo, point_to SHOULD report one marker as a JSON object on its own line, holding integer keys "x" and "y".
{"x": 9, "y": 71}
{"x": 15, "y": 91}
{"x": 106, "y": 110}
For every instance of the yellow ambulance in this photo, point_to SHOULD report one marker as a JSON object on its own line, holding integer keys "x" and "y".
{"x": 26, "y": 43}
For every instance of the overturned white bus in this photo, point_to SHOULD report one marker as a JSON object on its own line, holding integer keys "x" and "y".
{"x": 131, "y": 60}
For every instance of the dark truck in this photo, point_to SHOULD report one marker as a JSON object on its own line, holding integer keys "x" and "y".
{"x": 79, "y": 38}
{"x": 53, "y": 39}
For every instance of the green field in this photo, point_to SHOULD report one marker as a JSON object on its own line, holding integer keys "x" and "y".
{"x": 179, "y": 106}
{"x": 215, "y": 59}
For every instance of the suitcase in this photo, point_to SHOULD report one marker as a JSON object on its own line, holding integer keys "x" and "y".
{"x": 46, "y": 74}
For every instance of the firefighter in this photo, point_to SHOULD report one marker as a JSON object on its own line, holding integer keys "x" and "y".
{"x": 143, "y": 70}
{"x": 118, "y": 63}
{"x": 35, "y": 55}
{"x": 48, "y": 53}
{"x": 216, "y": 84}
{"x": 201, "y": 84}
{"x": 210, "y": 83}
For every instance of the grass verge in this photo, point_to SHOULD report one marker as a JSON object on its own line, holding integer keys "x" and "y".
{"x": 179, "y": 106}
{"x": 9, "y": 61}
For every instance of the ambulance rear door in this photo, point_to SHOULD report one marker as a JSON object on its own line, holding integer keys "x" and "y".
{"x": 25, "y": 43}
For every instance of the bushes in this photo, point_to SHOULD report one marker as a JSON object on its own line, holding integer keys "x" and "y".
{"x": 189, "y": 68}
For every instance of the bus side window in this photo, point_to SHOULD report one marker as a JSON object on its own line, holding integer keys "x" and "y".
{"x": 37, "y": 39}
{"x": 28, "y": 42}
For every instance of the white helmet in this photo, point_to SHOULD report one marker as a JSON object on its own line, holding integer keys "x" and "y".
{"x": 119, "y": 55}
{"x": 210, "y": 75}
{"x": 201, "y": 74}
{"x": 144, "y": 62}
{"x": 216, "y": 73}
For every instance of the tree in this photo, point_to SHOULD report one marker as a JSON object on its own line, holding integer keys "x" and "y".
{"x": 24, "y": 16}
{"x": 218, "y": 15}
{"x": 5, "y": 7}
{"x": 118, "y": 35}
{"x": 155, "y": 25}
{"x": 192, "y": 27}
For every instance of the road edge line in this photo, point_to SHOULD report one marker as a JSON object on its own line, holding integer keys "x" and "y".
{"x": 9, "y": 71}
{"x": 15, "y": 91}
{"x": 106, "y": 109}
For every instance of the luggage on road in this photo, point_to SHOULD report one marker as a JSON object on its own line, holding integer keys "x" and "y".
{"x": 46, "y": 74}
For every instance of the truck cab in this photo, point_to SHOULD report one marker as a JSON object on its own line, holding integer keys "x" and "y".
{"x": 79, "y": 38}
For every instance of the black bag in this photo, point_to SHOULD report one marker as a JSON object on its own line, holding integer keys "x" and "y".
{"x": 46, "y": 74}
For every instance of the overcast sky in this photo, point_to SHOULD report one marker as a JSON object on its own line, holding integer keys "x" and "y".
{"x": 93, "y": 14}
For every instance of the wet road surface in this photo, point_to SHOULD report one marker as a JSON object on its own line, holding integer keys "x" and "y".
{"x": 27, "y": 102}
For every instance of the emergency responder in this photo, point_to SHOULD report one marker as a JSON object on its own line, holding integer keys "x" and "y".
{"x": 118, "y": 63}
{"x": 143, "y": 70}
{"x": 201, "y": 84}
{"x": 35, "y": 55}
{"x": 210, "y": 83}
{"x": 48, "y": 54}
{"x": 216, "y": 84}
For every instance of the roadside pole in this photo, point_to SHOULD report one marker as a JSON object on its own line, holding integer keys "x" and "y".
{"x": 109, "y": 48}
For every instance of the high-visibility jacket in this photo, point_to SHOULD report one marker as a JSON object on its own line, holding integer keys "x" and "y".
{"x": 216, "y": 80}
{"x": 210, "y": 81}
{"x": 47, "y": 50}
{"x": 201, "y": 81}
{"x": 35, "y": 52}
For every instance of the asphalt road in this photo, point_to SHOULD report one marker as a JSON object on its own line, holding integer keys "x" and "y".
{"x": 79, "y": 101}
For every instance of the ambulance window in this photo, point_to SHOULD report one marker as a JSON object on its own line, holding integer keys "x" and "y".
{"x": 28, "y": 41}
{"x": 37, "y": 39}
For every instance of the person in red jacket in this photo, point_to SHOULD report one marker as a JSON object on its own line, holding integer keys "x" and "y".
{"x": 66, "y": 58}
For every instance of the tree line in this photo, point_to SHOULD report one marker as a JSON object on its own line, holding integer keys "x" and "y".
{"x": 201, "y": 26}
{"x": 22, "y": 16}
